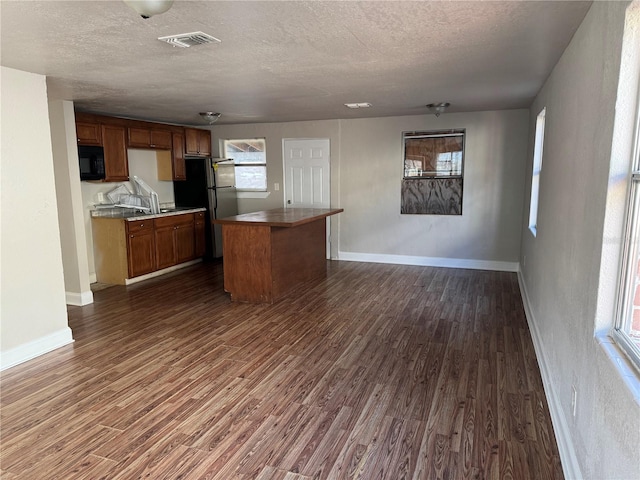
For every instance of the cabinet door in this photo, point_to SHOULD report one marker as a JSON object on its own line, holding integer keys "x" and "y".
{"x": 197, "y": 142}
{"x": 139, "y": 137}
{"x": 199, "y": 232}
{"x": 141, "y": 249}
{"x": 149, "y": 138}
{"x": 185, "y": 245}
{"x": 204, "y": 142}
{"x": 177, "y": 158}
{"x": 161, "y": 139}
{"x": 165, "y": 249}
{"x": 115, "y": 153}
{"x": 88, "y": 134}
{"x": 191, "y": 141}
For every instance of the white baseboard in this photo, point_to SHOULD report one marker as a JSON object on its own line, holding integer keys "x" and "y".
{"x": 93, "y": 277}
{"x": 570, "y": 465}
{"x": 35, "y": 348}
{"x": 129, "y": 281}
{"x": 430, "y": 261}
{"x": 79, "y": 299}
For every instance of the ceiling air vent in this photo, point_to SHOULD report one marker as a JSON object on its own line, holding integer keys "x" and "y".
{"x": 185, "y": 40}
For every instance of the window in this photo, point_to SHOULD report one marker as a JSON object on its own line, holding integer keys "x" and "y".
{"x": 432, "y": 179}
{"x": 251, "y": 162}
{"x": 433, "y": 154}
{"x": 627, "y": 327}
{"x": 537, "y": 168}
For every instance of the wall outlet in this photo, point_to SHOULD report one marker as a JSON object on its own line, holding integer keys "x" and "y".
{"x": 574, "y": 399}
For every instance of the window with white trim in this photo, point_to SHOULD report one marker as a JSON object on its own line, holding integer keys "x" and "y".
{"x": 250, "y": 156}
{"x": 627, "y": 326}
{"x": 537, "y": 168}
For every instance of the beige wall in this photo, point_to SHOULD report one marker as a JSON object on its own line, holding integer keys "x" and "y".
{"x": 561, "y": 269}
{"x": 371, "y": 173}
{"x": 33, "y": 317}
{"x": 275, "y": 133}
{"x": 366, "y": 172}
{"x": 69, "y": 198}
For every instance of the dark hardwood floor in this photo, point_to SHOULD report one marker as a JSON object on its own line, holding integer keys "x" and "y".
{"x": 377, "y": 372}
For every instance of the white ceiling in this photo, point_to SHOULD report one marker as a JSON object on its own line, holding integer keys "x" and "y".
{"x": 289, "y": 61}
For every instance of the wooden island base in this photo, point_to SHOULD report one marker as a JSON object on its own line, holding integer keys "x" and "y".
{"x": 266, "y": 254}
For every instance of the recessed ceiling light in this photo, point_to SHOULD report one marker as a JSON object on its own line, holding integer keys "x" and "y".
{"x": 357, "y": 105}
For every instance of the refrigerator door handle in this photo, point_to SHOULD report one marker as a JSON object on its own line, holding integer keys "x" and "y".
{"x": 213, "y": 200}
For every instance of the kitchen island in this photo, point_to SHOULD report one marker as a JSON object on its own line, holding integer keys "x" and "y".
{"x": 266, "y": 254}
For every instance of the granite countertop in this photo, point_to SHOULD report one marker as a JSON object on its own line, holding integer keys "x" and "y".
{"x": 134, "y": 215}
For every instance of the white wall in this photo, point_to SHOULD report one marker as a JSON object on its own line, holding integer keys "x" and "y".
{"x": 366, "y": 173}
{"x": 561, "y": 269}
{"x": 33, "y": 317}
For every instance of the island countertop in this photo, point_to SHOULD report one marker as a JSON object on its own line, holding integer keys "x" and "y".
{"x": 280, "y": 217}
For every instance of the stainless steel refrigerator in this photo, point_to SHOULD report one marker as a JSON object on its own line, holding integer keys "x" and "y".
{"x": 210, "y": 183}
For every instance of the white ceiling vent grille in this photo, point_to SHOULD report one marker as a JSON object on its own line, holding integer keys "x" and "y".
{"x": 185, "y": 40}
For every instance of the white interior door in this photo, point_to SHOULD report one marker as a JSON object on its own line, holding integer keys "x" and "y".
{"x": 306, "y": 174}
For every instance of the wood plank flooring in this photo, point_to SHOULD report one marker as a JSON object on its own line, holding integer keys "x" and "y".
{"x": 376, "y": 372}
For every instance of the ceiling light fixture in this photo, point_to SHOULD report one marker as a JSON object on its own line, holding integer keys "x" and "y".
{"x": 210, "y": 117}
{"x": 149, "y": 8}
{"x": 357, "y": 105}
{"x": 438, "y": 108}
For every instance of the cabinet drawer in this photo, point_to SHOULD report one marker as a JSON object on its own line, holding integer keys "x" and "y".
{"x": 139, "y": 226}
{"x": 173, "y": 220}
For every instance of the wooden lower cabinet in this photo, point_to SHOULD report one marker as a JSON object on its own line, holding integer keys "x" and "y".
{"x": 200, "y": 243}
{"x": 175, "y": 242}
{"x": 127, "y": 249}
{"x": 141, "y": 248}
{"x": 185, "y": 242}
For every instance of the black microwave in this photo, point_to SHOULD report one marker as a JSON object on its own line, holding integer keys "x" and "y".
{"x": 91, "y": 162}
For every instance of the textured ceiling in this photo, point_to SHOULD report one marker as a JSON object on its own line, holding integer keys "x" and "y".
{"x": 288, "y": 61}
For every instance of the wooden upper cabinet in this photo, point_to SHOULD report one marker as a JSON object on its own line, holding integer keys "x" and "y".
{"x": 116, "y": 163}
{"x": 88, "y": 133}
{"x": 197, "y": 142}
{"x": 149, "y": 138}
{"x": 177, "y": 157}
{"x": 205, "y": 143}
